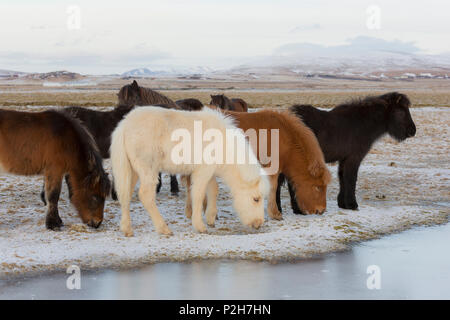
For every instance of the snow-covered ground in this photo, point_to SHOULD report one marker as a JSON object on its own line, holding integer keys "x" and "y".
{"x": 400, "y": 185}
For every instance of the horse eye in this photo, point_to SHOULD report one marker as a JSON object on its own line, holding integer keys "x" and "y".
{"x": 317, "y": 189}
{"x": 256, "y": 199}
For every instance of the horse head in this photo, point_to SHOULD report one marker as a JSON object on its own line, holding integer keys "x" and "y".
{"x": 400, "y": 123}
{"x": 130, "y": 94}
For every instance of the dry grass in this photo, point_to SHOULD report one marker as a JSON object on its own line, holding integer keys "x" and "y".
{"x": 256, "y": 93}
{"x": 254, "y": 99}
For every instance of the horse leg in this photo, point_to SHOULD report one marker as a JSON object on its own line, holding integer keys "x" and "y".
{"x": 69, "y": 186}
{"x": 293, "y": 197}
{"x": 211, "y": 202}
{"x": 350, "y": 175}
{"x": 188, "y": 202}
{"x": 52, "y": 191}
{"x": 200, "y": 181}
{"x": 174, "y": 185}
{"x": 341, "y": 195}
{"x": 125, "y": 220}
{"x": 147, "y": 195}
{"x": 43, "y": 194}
{"x": 281, "y": 179}
{"x": 158, "y": 186}
{"x": 272, "y": 208}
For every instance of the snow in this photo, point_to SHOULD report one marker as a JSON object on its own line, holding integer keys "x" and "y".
{"x": 400, "y": 185}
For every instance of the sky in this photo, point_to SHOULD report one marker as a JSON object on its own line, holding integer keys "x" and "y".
{"x": 104, "y": 37}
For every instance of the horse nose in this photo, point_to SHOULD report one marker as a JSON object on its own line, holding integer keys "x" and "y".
{"x": 412, "y": 131}
{"x": 320, "y": 211}
{"x": 94, "y": 224}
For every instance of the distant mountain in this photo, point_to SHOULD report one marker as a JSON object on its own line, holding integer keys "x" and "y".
{"x": 167, "y": 71}
{"x": 361, "y": 57}
{"x": 10, "y": 73}
{"x": 141, "y": 72}
{"x": 55, "y": 75}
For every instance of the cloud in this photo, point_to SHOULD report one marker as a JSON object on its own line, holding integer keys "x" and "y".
{"x": 360, "y": 44}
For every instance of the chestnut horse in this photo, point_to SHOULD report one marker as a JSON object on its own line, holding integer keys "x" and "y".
{"x": 309, "y": 174}
{"x": 53, "y": 144}
{"x": 347, "y": 132}
{"x": 100, "y": 125}
{"x": 235, "y": 104}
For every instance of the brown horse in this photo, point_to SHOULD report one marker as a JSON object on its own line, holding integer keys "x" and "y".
{"x": 235, "y": 104}
{"x": 190, "y": 104}
{"x": 134, "y": 95}
{"x": 309, "y": 175}
{"x": 53, "y": 144}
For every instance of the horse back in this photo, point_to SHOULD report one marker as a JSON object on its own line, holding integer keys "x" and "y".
{"x": 239, "y": 105}
{"x": 31, "y": 141}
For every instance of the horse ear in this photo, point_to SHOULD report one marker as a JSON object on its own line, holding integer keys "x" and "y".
{"x": 135, "y": 85}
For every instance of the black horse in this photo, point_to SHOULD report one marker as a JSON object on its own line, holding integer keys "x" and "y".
{"x": 100, "y": 124}
{"x": 190, "y": 104}
{"x": 347, "y": 132}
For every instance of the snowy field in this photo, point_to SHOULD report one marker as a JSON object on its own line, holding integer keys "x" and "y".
{"x": 400, "y": 185}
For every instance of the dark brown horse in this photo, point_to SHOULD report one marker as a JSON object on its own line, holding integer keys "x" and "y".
{"x": 190, "y": 104}
{"x": 347, "y": 132}
{"x": 134, "y": 95}
{"x": 53, "y": 144}
{"x": 235, "y": 104}
{"x": 100, "y": 125}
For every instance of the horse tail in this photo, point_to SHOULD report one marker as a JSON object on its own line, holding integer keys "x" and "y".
{"x": 121, "y": 166}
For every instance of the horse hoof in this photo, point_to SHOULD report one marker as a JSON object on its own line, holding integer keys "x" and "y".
{"x": 127, "y": 232}
{"x": 165, "y": 231}
{"x": 54, "y": 224}
{"x": 200, "y": 229}
{"x": 277, "y": 216}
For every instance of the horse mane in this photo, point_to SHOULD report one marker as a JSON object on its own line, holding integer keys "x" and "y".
{"x": 303, "y": 140}
{"x": 96, "y": 173}
{"x": 248, "y": 171}
{"x": 151, "y": 97}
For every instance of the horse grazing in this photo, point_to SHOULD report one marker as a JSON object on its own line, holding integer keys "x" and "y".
{"x": 190, "y": 104}
{"x": 53, "y": 144}
{"x": 309, "y": 174}
{"x": 100, "y": 125}
{"x": 235, "y": 104}
{"x": 143, "y": 145}
{"x": 347, "y": 132}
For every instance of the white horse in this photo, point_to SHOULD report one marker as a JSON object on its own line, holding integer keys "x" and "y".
{"x": 143, "y": 145}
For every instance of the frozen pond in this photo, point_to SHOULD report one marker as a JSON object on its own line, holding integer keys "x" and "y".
{"x": 413, "y": 265}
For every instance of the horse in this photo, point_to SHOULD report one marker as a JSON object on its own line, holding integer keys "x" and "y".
{"x": 347, "y": 133}
{"x": 235, "y": 104}
{"x": 52, "y": 144}
{"x": 100, "y": 125}
{"x": 190, "y": 104}
{"x": 134, "y": 95}
{"x": 309, "y": 175}
{"x": 143, "y": 145}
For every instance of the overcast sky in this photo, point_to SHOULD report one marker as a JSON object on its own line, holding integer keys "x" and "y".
{"x": 114, "y": 36}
